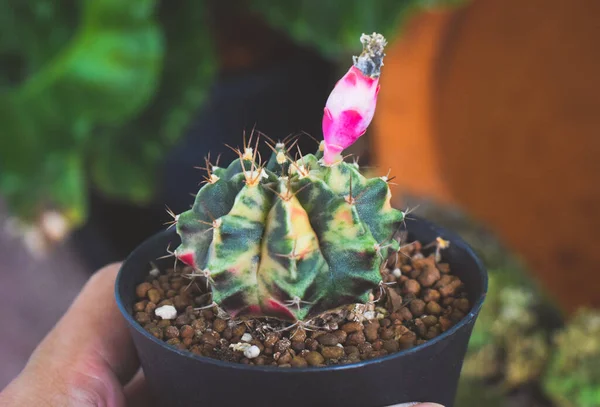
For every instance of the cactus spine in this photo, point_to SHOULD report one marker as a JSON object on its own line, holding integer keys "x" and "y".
{"x": 293, "y": 237}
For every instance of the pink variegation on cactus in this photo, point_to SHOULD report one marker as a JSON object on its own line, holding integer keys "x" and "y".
{"x": 351, "y": 105}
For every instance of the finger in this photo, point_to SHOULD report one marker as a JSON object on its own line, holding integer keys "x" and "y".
{"x": 93, "y": 332}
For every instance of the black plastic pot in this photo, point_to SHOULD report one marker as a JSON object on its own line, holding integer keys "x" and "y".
{"x": 427, "y": 372}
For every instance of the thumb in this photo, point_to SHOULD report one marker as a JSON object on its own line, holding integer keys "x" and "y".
{"x": 87, "y": 356}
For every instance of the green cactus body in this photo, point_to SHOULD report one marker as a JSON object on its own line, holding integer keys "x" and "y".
{"x": 291, "y": 239}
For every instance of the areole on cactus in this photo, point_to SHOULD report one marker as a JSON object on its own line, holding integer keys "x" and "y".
{"x": 293, "y": 237}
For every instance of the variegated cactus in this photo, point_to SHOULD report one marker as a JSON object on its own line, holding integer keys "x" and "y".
{"x": 291, "y": 238}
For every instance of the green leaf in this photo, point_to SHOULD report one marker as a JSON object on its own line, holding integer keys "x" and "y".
{"x": 105, "y": 72}
{"x": 333, "y": 27}
{"x": 125, "y": 165}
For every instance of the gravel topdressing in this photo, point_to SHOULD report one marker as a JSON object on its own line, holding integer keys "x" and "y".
{"x": 417, "y": 301}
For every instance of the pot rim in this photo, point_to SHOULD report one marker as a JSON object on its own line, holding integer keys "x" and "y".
{"x": 454, "y": 239}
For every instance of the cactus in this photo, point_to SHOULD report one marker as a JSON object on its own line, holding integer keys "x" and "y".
{"x": 293, "y": 237}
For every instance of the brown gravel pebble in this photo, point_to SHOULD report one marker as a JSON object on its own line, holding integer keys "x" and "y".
{"x": 332, "y": 352}
{"x": 182, "y": 320}
{"x": 298, "y": 335}
{"x": 365, "y": 348}
{"x": 298, "y": 361}
{"x": 284, "y": 358}
{"x": 425, "y": 300}
{"x": 456, "y": 315}
{"x": 420, "y": 327}
{"x": 443, "y": 268}
{"x": 238, "y": 330}
{"x": 311, "y": 344}
{"x": 417, "y": 307}
{"x": 462, "y": 304}
{"x": 356, "y": 338}
{"x": 429, "y": 274}
{"x": 181, "y": 301}
{"x": 282, "y": 345}
{"x": 412, "y": 287}
{"x": 433, "y": 308}
{"x": 351, "y": 327}
{"x": 445, "y": 323}
{"x": 150, "y": 307}
{"x": 406, "y": 314}
{"x": 432, "y": 332}
{"x": 154, "y": 295}
{"x": 186, "y": 331}
{"x": 171, "y": 332}
{"x": 429, "y": 320}
{"x": 341, "y": 335}
{"x": 386, "y": 333}
{"x": 431, "y": 295}
{"x": 140, "y": 306}
{"x": 219, "y": 325}
{"x": 450, "y": 289}
{"x": 314, "y": 358}
{"x": 197, "y": 325}
{"x": 407, "y": 340}
{"x": 142, "y": 317}
{"x": 271, "y": 339}
{"x": 164, "y": 302}
{"x": 209, "y": 338}
{"x": 157, "y": 332}
{"x": 328, "y": 340}
{"x": 163, "y": 323}
{"x": 142, "y": 289}
{"x": 371, "y": 330}
{"x": 174, "y": 341}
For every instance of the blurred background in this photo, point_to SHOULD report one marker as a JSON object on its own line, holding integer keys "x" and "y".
{"x": 487, "y": 116}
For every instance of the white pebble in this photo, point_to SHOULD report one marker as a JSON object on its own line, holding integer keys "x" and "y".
{"x": 369, "y": 315}
{"x": 166, "y": 312}
{"x": 246, "y": 337}
{"x": 252, "y": 352}
{"x": 240, "y": 347}
{"x": 397, "y": 273}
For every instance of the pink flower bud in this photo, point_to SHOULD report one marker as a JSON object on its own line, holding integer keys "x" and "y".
{"x": 351, "y": 105}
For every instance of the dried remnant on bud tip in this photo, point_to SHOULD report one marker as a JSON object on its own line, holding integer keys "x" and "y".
{"x": 370, "y": 60}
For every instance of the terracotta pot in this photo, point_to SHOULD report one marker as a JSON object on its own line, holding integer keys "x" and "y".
{"x": 494, "y": 107}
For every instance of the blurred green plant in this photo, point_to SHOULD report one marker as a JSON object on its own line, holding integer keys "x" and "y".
{"x": 331, "y": 26}
{"x": 92, "y": 92}
{"x": 573, "y": 377}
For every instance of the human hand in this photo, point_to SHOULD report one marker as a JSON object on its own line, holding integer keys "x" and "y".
{"x": 88, "y": 359}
